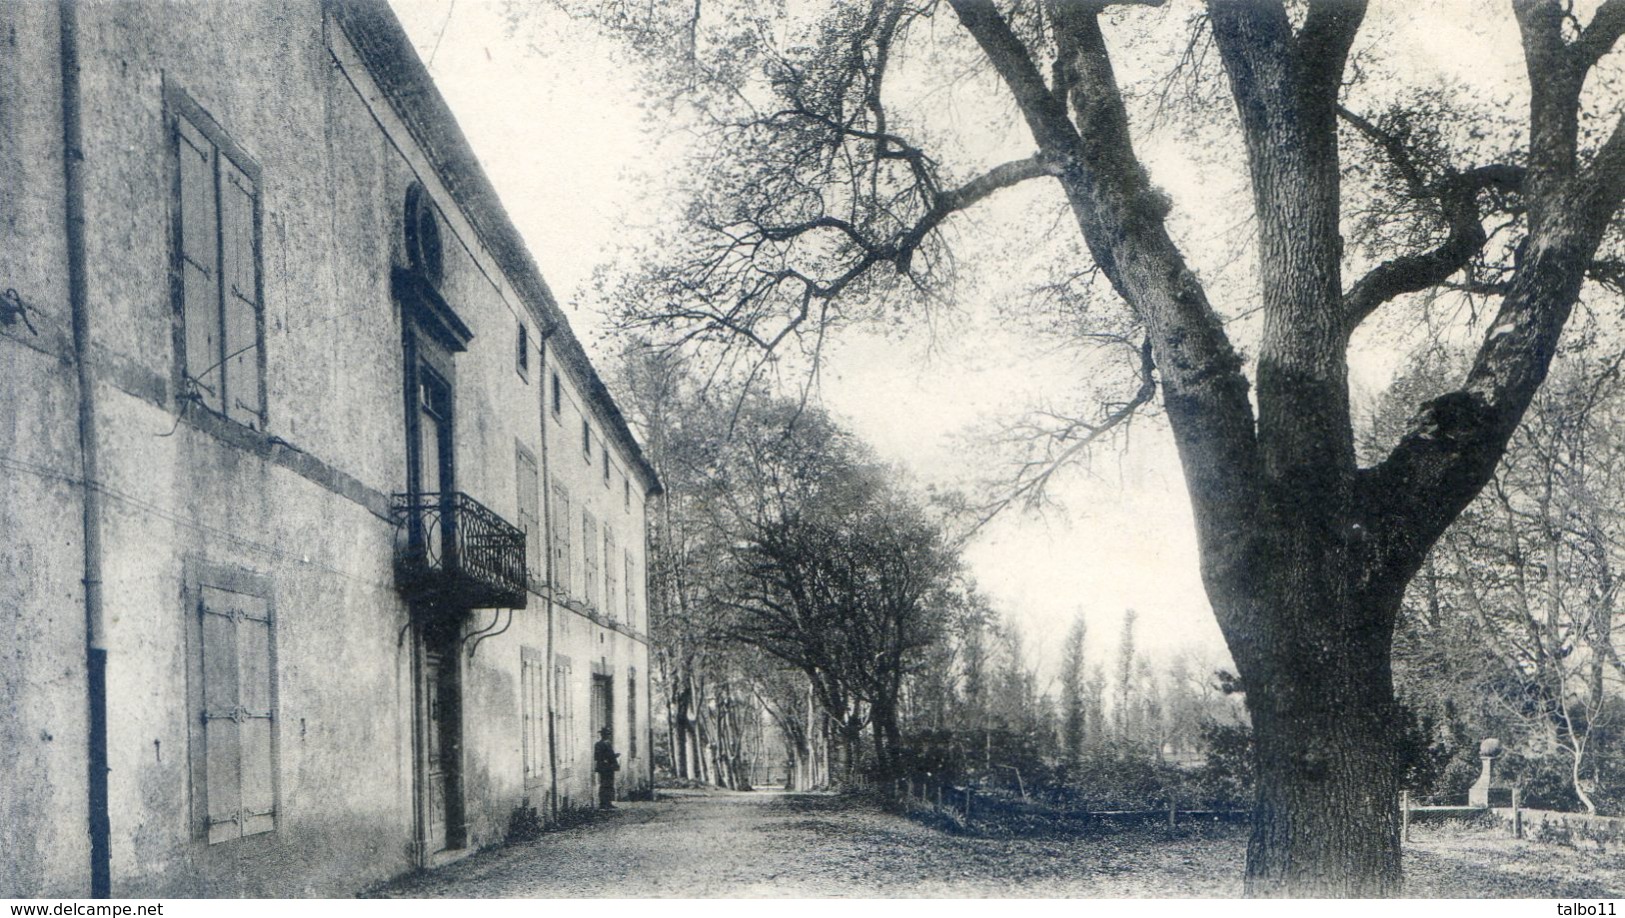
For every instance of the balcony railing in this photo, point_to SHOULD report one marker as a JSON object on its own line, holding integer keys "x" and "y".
{"x": 452, "y": 550}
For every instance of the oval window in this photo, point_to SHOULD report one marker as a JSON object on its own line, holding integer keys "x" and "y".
{"x": 423, "y": 234}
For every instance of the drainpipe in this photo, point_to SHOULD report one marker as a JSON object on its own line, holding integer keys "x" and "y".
{"x": 547, "y": 568}
{"x": 99, "y": 818}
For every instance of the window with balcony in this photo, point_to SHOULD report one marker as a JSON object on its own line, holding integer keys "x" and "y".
{"x": 451, "y": 551}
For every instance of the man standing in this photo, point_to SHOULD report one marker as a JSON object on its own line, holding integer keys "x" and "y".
{"x": 606, "y": 761}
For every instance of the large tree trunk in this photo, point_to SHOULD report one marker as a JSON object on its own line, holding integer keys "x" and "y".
{"x": 888, "y": 741}
{"x": 1326, "y": 817}
{"x": 850, "y": 741}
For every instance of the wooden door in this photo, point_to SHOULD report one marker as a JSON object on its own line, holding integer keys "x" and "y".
{"x": 435, "y": 772}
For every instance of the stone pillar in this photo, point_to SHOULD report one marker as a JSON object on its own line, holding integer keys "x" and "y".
{"x": 1479, "y": 795}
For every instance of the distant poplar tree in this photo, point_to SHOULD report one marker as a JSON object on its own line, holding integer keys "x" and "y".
{"x": 1074, "y": 713}
{"x": 1123, "y": 707}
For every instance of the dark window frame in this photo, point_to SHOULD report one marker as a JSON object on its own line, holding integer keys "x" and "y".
{"x": 522, "y": 358}
{"x": 179, "y": 106}
{"x": 429, "y": 366}
{"x": 631, "y": 712}
{"x": 558, "y": 396}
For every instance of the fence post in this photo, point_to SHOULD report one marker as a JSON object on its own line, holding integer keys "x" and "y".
{"x": 1405, "y": 814}
{"x": 1173, "y": 817}
{"x": 1517, "y": 814}
{"x": 967, "y": 804}
{"x": 939, "y": 796}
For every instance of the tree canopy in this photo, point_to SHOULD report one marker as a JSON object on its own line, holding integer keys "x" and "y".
{"x": 821, "y": 203}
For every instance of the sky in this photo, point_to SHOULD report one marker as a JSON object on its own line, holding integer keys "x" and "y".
{"x": 553, "y": 114}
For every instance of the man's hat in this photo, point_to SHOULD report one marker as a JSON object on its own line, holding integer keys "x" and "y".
{"x": 607, "y": 731}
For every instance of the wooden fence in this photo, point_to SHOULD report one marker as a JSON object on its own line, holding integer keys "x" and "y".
{"x": 964, "y": 803}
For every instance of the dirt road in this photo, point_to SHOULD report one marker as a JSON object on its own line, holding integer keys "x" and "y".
{"x": 767, "y": 844}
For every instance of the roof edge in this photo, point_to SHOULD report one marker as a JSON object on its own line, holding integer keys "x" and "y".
{"x": 378, "y": 37}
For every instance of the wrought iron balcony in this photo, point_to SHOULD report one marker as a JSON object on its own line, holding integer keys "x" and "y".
{"x": 452, "y": 550}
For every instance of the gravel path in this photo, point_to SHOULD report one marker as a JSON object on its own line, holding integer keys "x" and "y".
{"x": 719, "y": 844}
{"x": 809, "y": 845}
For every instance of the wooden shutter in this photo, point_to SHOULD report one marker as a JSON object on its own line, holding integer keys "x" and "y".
{"x": 564, "y": 713}
{"x": 240, "y": 294}
{"x": 631, "y": 607}
{"x": 200, "y": 264}
{"x": 570, "y": 707}
{"x": 612, "y": 606}
{"x": 589, "y": 557}
{"x": 221, "y": 727}
{"x": 561, "y": 539}
{"x": 528, "y": 487}
{"x": 533, "y": 704}
{"x": 238, "y": 714}
{"x": 254, "y": 684}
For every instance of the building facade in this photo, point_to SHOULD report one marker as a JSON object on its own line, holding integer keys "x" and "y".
{"x": 324, "y": 542}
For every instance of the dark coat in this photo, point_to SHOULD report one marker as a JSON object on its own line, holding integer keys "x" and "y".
{"x": 605, "y": 758}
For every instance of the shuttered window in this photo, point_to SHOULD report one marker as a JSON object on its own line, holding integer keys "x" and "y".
{"x": 562, "y": 522}
{"x": 238, "y": 713}
{"x": 589, "y": 557}
{"x": 218, "y": 270}
{"x": 528, "y": 488}
{"x": 564, "y": 712}
{"x": 612, "y": 595}
{"x": 533, "y": 708}
{"x": 631, "y": 603}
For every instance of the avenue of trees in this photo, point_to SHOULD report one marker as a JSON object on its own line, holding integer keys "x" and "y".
{"x": 820, "y": 202}
{"x": 812, "y": 614}
{"x": 795, "y": 574}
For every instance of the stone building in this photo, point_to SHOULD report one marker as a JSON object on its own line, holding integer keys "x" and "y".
{"x": 324, "y": 542}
